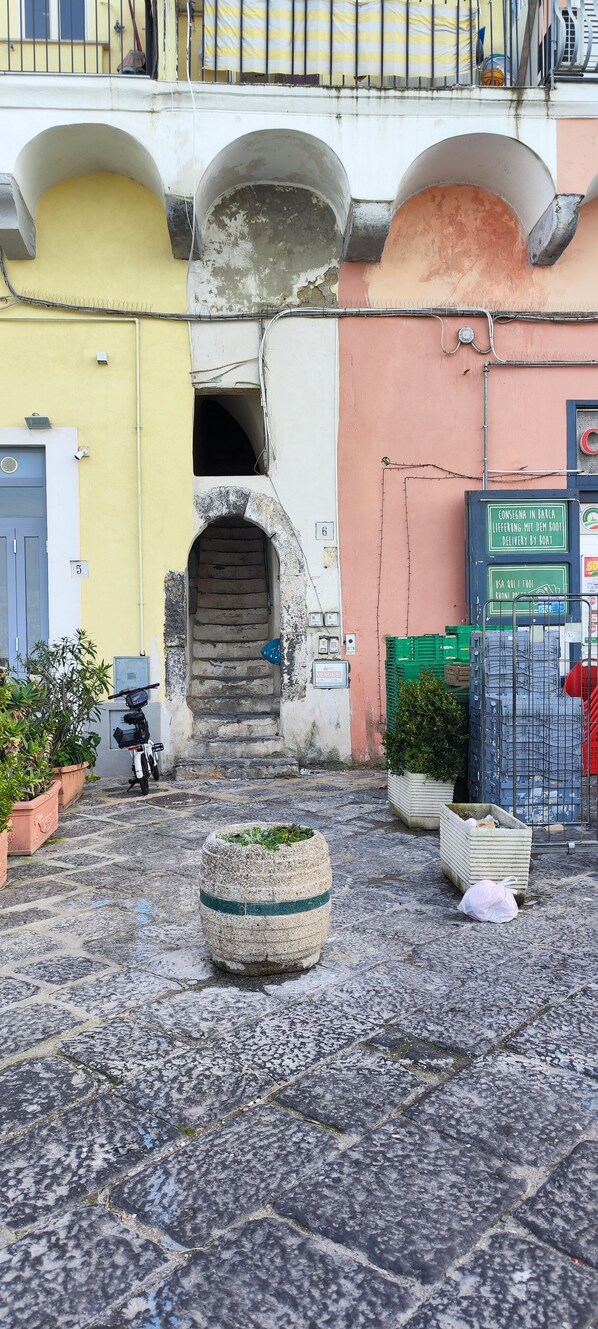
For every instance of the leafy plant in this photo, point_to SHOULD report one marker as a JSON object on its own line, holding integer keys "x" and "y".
{"x": 429, "y": 734}
{"x": 25, "y": 769}
{"x": 73, "y": 682}
{"x": 271, "y": 837}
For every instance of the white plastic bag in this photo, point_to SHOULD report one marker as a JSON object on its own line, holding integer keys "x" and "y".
{"x": 490, "y": 901}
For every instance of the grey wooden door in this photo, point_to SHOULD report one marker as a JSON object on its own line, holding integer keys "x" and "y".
{"x": 23, "y": 556}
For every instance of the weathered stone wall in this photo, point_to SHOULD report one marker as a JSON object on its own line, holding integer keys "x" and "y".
{"x": 267, "y": 245}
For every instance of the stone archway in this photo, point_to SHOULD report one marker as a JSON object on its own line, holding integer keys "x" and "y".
{"x": 266, "y": 513}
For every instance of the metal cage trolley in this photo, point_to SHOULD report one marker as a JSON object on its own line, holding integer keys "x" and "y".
{"x": 136, "y": 737}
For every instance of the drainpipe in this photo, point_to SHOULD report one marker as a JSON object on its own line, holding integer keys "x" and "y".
{"x": 84, "y": 318}
{"x": 487, "y": 364}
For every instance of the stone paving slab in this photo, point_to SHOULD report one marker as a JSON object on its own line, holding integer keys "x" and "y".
{"x": 265, "y": 1274}
{"x": 13, "y": 990}
{"x": 192, "y": 966}
{"x": 198, "y": 1015}
{"x": 399, "y": 952}
{"x": 77, "y": 1269}
{"x": 512, "y": 1284}
{"x": 33, "y": 1089}
{"x": 24, "y": 945}
{"x": 512, "y": 1107}
{"x": 118, "y": 992}
{"x": 20, "y": 918}
{"x": 48, "y": 886}
{"x": 413, "y": 1055}
{"x": 121, "y": 1048}
{"x": 564, "y": 1212}
{"x": 353, "y": 1092}
{"x": 67, "y": 1159}
{"x": 21, "y": 1029}
{"x": 61, "y": 969}
{"x": 405, "y": 1199}
{"x": 566, "y": 1036}
{"x": 230, "y": 1172}
{"x": 195, "y": 1088}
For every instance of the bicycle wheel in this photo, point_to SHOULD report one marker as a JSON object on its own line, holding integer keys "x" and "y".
{"x": 144, "y": 780}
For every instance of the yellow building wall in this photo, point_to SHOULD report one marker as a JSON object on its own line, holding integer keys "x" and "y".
{"x": 103, "y": 239}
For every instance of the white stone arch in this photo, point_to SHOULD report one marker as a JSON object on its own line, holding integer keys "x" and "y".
{"x": 62, "y": 153}
{"x": 268, "y": 514}
{"x": 511, "y": 170}
{"x": 66, "y": 151}
{"x": 276, "y": 157}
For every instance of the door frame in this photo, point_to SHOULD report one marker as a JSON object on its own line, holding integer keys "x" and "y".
{"x": 63, "y": 521}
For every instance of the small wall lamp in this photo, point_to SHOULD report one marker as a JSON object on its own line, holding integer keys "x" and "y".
{"x": 36, "y": 421}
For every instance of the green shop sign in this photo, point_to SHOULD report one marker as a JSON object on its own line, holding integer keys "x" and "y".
{"x": 525, "y": 527}
{"x": 506, "y": 583}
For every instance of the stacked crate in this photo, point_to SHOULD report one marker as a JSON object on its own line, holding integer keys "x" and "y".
{"x": 407, "y": 657}
{"x": 535, "y": 720}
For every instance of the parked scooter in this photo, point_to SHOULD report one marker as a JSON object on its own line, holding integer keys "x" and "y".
{"x": 136, "y": 737}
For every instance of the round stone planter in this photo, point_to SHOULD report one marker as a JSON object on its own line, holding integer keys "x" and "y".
{"x": 264, "y": 911}
{"x": 72, "y": 779}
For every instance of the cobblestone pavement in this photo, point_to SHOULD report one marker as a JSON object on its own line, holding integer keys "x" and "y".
{"x": 407, "y": 1135}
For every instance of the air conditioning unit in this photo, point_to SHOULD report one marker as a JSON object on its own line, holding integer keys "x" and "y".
{"x": 576, "y": 29}
{"x": 568, "y": 30}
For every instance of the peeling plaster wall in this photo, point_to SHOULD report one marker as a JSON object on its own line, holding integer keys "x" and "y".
{"x": 300, "y": 490}
{"x": 267, "y": 245}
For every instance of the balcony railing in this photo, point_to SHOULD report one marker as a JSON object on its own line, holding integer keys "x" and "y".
{"x": 77, "y": 37}
{"x": 325, "y": 43}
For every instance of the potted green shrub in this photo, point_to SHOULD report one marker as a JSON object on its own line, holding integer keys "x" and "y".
{"x": 265, "y": 897}
{"x": 426, "y": 750}
{"x": 72, "y": 682}
{"x": 25, "y": 742}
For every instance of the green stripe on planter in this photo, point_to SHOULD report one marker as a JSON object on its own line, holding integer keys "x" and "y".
{"x": 264, "y": 908}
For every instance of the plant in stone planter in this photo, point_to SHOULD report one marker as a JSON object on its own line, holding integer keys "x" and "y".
{"x": 426, "y": 750}
{"x": 72, "y": 682}
{"x": 265, "y": 897}
{"x": 24, "y": 758}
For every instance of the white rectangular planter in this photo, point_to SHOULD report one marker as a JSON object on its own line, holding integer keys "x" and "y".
{"x": 470, "y": 853}
{"x": 417, "y": 800}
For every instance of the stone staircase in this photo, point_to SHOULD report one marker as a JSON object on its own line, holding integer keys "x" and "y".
{"x": 234, "y": 691}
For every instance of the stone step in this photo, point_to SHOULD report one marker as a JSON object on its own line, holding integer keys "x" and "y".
{"x": 219, "y": 544}
{"x": 249, "y": 616}
{"x": 241, "y": 571}
{"x": 232, "y": 705}
{"x": 237, "y": 632}
{"x": 234, "y": 669}
{"x": 213, "y": 599}
{"x": 211, "y": 559}
{"x": 237, "y": 586}
{"x": 236, "y": 768}
{"x": 203, "y": 689}
{"x": 227, "y": 650}
{"x": 235, "y": 726}
{"x": 271, "y": 746}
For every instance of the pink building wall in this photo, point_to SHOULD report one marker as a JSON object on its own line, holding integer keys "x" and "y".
{"x": 405, "y": 398}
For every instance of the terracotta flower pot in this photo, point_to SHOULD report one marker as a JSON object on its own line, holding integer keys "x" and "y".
{"x": 3, "y": 856}
{"x": 72, "y": 779}
{"x": 34, "y": 822}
